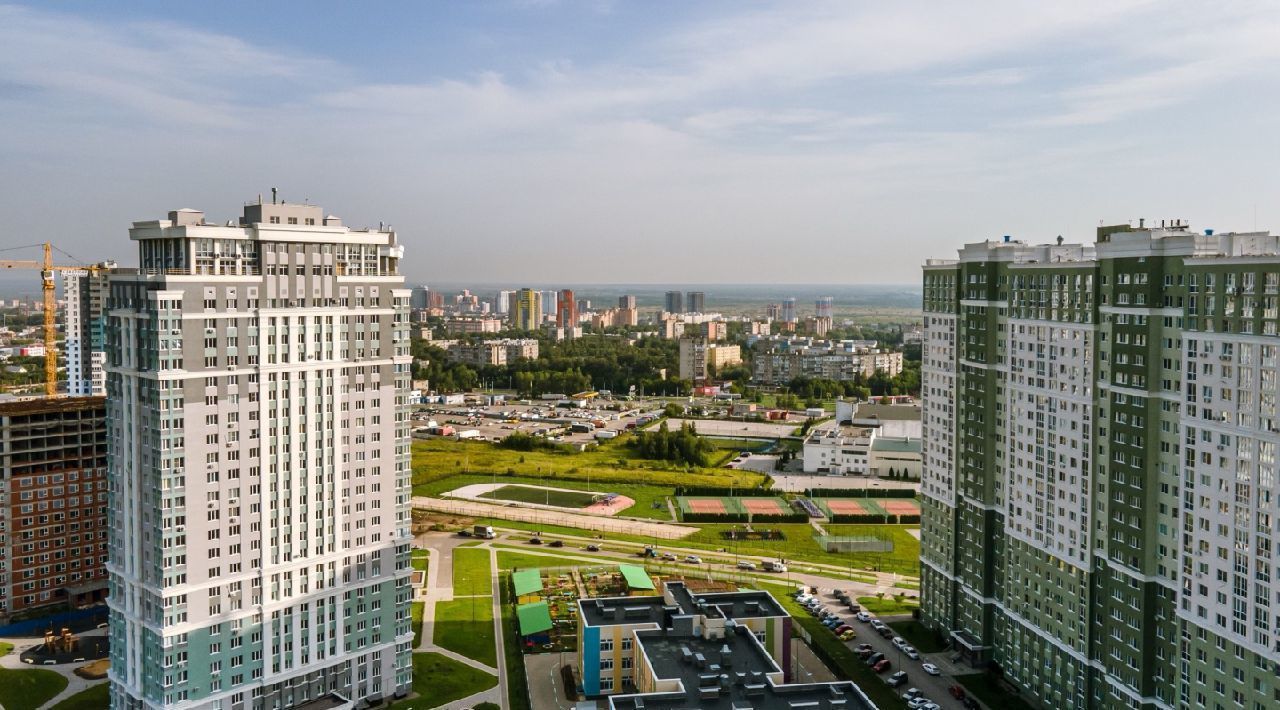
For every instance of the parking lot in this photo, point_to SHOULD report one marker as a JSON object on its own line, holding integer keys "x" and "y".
{"x": 496, "y": 422}
{"x": 935, "y": 688}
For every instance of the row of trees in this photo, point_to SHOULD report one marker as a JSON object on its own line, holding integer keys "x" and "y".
{"x": 682, "y": 447}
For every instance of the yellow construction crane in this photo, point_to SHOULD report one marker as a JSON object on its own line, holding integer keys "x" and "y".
{"x": 47, "y": 270}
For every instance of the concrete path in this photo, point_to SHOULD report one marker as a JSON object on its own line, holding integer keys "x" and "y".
{"x": 630, "y": 526}
{"x": 75, "y": 683}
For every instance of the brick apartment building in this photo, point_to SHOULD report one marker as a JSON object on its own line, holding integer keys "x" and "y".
{"x": 53, "y": 503}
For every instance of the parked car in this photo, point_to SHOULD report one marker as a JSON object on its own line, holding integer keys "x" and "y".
{"x": 911, "y": 653}
{"x": 556, "y": 543}
{"x": 848, "y": 635}
{"x": 897, "y": 679}
{"x": 865, "y": 653}
{"x": 862, "y": 616}
{"x": 843, "y": 628}
{"x": 957, "y": 690}
{"x": 853, "y": 606}
{"x": 875, "y": 658}
{"x": 535, "y": 541}
{"x": 899, "y": 642}
{"x": 864, "y": 647}
{"x": 593, "y": 548}
{"x": 693, "y": 559}
{"x": 882, "y": 666}
{"x": 918, "y": 703}
{"x": 912, "y": 694}
{"x": 877, "y": 624}
{"x": 969, "y": 703}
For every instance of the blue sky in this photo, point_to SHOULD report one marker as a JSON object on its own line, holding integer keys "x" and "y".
{"x": 637, "y": 142}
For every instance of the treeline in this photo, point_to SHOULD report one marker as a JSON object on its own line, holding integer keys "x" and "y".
{"x": 681, "y": 447}
{"x": 596, "y": 362}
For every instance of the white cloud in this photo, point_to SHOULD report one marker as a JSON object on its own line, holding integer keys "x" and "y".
{"x": 991, "y": 77}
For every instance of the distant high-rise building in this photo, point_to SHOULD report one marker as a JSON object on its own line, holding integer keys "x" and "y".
{"x": 824, "y": 307}
{"x": 86, "y": 295}
{"x": 566, "y": 309}
{"x": 696, "y": 302}
{"x": 435, "y": 299}
{"x": 258, "y": 466}
{"x": 674, "y": 302}
{"x": 627, "y": 302}
{"x": 54, "y": 457}
{"x": 502, "y": 304}
{"x": 788, "y": 312}
{"x": 772, "y": 312}
{"x": 421, "y": 297}
{"x": 549, "y": 304}
{"x": 526, "y": 311}
{"x": 1099, "y": 490}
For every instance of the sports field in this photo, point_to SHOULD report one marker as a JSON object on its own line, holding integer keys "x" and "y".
{"x": 868, "y": 506}
{"x": 544, "y": 496}
{"x": 733, "y": 505}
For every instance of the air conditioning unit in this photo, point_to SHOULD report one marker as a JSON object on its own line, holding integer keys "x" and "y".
{"x": 180, "y": 528}
{"x": 213, "y": 504}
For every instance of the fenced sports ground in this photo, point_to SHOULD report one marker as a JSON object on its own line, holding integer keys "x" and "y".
{"x": 734, "y": 508}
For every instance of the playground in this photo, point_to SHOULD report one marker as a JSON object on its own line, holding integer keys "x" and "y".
{"x": 66, "y": 647}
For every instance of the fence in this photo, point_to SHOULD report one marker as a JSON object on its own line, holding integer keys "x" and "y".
{"x": 843, "y": 543}
{"x": 36, "y": 627}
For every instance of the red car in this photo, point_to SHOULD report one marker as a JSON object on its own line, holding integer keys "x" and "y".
{"x": 881, "y": 667}
{"x": 957, "y": 692}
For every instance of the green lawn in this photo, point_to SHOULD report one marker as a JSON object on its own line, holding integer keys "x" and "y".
{"x": 517, "y": 682}
{"x": 985, "y": 688}
{"x": 5, "y": 648}
{"x": 28, "y": 689}
{"x": 837, "y": 653}
{"x": 94, "y": 697}
{"x": 644, "y": 495}
{"x": 438, "y": 680}
{"x": 800, "y": 545}
{"x": 471, "y": 573}
{"x": 466, "y": 626}
{"x": 925, "y": 640}
{"x": 419, "y": 559}
{"x": 613, "y": 461}
{"x": 541, "y": 496}
{"x": 415, "y": 618}
{"x": 888, "y": 606}
{"x": 508, "y": 561}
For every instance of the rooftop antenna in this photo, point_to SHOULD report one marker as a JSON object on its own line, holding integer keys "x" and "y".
{"x": 1059, "y": 240}
{"x": 273, "y": 195}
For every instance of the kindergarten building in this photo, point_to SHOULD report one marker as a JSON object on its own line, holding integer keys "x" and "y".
{"x": 713, "y": 651}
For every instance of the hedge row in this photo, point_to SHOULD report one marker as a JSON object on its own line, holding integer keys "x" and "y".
{"x": 723, "y": 491}
{"x": 868, "y": 518}
{"x": 859, "y": 493}
{"x": 742, "y": 518}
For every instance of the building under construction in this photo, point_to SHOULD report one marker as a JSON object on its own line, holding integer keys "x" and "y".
{"x": 53, "y": 503}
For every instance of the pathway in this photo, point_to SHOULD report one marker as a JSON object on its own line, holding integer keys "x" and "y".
{"x": 75, "y": 683}
{"x": 630, "y": 526}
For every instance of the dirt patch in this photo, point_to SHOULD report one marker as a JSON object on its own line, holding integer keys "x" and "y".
{"x": 94, "y": 671}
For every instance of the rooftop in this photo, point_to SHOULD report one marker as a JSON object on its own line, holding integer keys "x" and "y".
{"x": 729, "y": 673}
{"x": 46, "y": 405}
{"x": 527, "y": 581}
{"x": 677, "y": 600}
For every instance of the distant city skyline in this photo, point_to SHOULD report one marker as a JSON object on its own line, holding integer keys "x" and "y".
{"x": 544, "y": 141}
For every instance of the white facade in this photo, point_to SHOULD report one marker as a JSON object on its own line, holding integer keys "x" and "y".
{"x": 1049, "y": 393}
{"x": 937, "y": 421}
{"x": 259, "y": 533}
{"x": 85, "y": 294}
{"x": 1231, "y": 430}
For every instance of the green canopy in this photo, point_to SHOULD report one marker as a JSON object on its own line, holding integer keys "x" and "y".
{"x": 636, "y": 577}
{"x": 527, "y": 581}
{"x": 534, "y": 618}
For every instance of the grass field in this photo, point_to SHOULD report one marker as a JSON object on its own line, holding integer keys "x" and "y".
{"x": 517, "y": 682}
{"x": 466, "y": 626}
{"x": 518, "y": 560}
{"x": 471, "y": 573}
{"x": 800, "y": 545}
{"x": 5, "y": 648}
{"x": 888, "y": 606}
{"x": 94, "y": 697}
{"x": 645, "y": 496}
{"x": 419, "y": 559}
{"x": 438, "y": 680}
{"x": 415, "y": 619}
{"x": 613, "y": 462}
{"x": 541, "y": 496}
{"x": 28, "y": 689}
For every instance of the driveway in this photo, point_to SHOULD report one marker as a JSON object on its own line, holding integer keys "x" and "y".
{"x": 546, "y": 687}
